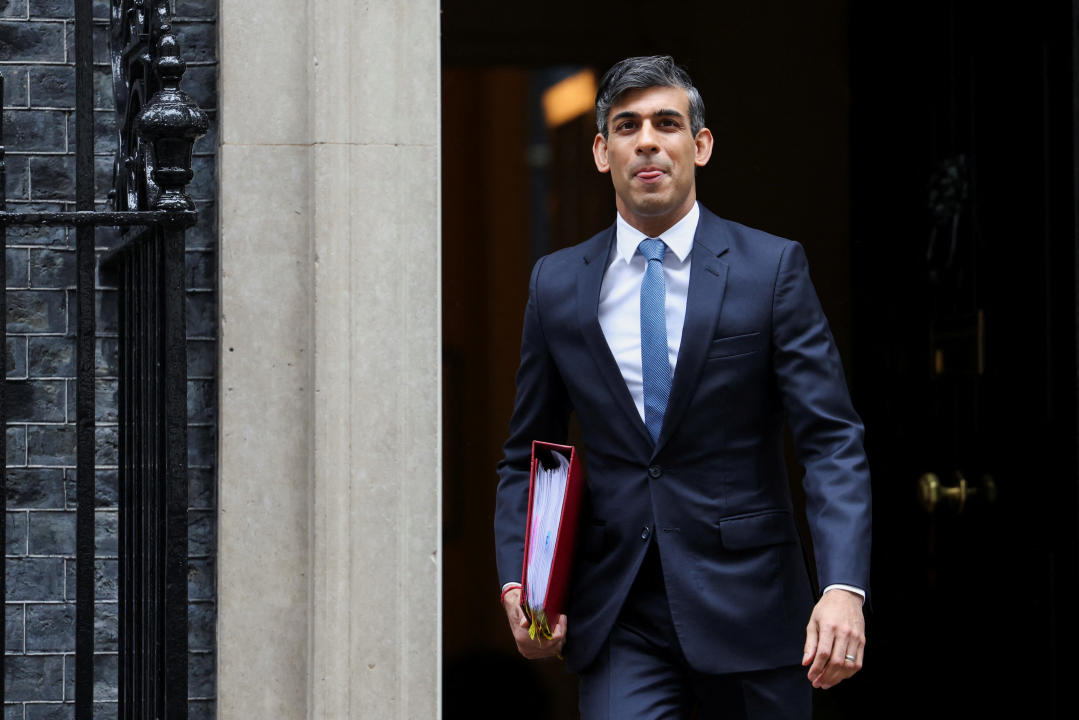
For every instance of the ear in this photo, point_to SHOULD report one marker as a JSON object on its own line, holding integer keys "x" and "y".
{"x": 704, "y": 147}
{"x": 599, "y": 153}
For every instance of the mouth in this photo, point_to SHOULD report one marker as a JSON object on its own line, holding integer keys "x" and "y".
{"x": 649, "y": 174}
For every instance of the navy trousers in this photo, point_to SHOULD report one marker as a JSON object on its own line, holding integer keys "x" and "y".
{"x": 641, "y": 673}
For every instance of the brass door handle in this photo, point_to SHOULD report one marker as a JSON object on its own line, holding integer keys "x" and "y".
{"x": 931, "y": 492}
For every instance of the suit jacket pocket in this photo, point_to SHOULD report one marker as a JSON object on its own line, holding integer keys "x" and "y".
{"x": 734, "y": 345}
{"x": 772, "y": 527}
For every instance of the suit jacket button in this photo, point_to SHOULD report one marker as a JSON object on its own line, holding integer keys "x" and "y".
{"x": 655, "y": 471}
{"x": 645, "y": 532}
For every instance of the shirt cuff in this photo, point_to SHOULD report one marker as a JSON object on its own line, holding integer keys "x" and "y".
{"x": 506, "y": 588}
{"x": 851, "y": 588}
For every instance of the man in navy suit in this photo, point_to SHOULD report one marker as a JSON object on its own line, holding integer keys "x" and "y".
{"x": 683, "y": 342}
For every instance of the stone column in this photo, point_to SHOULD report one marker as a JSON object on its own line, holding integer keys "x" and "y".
{"x": 330, "y": 480}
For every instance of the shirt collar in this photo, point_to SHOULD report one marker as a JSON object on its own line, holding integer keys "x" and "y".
{"x": 679, "y": 237}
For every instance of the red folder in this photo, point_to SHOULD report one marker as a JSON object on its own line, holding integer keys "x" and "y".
{"x": 562, "y": 563}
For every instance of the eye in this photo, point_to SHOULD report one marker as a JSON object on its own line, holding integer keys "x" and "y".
{"x": 626, "y": 125}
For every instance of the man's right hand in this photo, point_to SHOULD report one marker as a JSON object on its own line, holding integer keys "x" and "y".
{"x": 540, "y": 647}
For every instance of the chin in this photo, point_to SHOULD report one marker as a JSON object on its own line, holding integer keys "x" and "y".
{"x": 652, "y": 207}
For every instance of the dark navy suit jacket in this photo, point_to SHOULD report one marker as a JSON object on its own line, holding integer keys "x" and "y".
{"x": 713, "y": 492}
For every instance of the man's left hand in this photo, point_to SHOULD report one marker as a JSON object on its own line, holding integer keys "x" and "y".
{"x": 836, "y": 632}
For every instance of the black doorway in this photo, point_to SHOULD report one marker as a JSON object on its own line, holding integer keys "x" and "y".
{"x": 964, "y": 367}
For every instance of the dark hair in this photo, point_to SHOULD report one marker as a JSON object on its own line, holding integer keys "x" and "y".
{"x": 644, "y": 72}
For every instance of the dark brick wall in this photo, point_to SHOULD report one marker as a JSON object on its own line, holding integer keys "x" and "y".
{"x": 36, "y": 59}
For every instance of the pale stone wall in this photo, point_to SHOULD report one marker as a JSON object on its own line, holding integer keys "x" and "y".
{"x": 330, "y": 481}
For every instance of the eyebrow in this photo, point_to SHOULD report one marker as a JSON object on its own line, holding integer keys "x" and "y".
{"x": 662, "y": 112}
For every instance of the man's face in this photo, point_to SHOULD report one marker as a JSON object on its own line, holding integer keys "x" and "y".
{"x": 652, "y": 155}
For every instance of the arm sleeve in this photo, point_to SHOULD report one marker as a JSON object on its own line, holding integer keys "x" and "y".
{"x": 827, "y": 431}
{"x": 540, "y": 412}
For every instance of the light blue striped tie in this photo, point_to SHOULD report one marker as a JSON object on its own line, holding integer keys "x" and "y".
{"x": 655, "y": 366}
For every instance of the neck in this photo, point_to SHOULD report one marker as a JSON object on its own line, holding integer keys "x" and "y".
{"x": 654, "y": 225}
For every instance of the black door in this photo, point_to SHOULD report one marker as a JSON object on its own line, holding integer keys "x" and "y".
{"x": 963, "y": 167}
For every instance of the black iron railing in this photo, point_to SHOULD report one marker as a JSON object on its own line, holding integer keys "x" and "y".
{"x": 158, "y": 125}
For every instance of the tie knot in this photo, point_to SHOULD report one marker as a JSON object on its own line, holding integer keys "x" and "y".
{"x": 652, "y": 249}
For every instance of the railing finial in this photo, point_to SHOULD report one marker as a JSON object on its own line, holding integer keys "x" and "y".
{"x": 171, "y": 123}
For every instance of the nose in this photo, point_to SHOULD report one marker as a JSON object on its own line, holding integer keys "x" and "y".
{"x": 646, "y": 139}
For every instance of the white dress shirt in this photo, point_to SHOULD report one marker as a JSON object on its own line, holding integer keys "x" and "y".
{"x": 620, "y": 306}
{"x": 620, "y": 296}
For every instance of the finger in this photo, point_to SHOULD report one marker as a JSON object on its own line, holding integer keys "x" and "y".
{"x": 519, "y": 625}
{"x": 560, "y": 631}
{"x": 852, "y": 656}
{"x": 823, "y": 651}
{"x": 822, "y": 655}
{"x": 524, "y": 642}
{"x": 559, "y": 628}
{"x": 838, "y": 665}
{"x": 811, "y": 643}
{"x": 856, "y": 650}
{"x": 538, "y": 648}
{"x": 532, "y": 648}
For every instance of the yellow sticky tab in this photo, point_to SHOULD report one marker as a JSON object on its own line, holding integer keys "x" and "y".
{"x": 539, "y": 626}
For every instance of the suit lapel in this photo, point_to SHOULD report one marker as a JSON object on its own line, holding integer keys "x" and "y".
{"x": 589, "y": 282}
{"x": 707, "y": 284}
